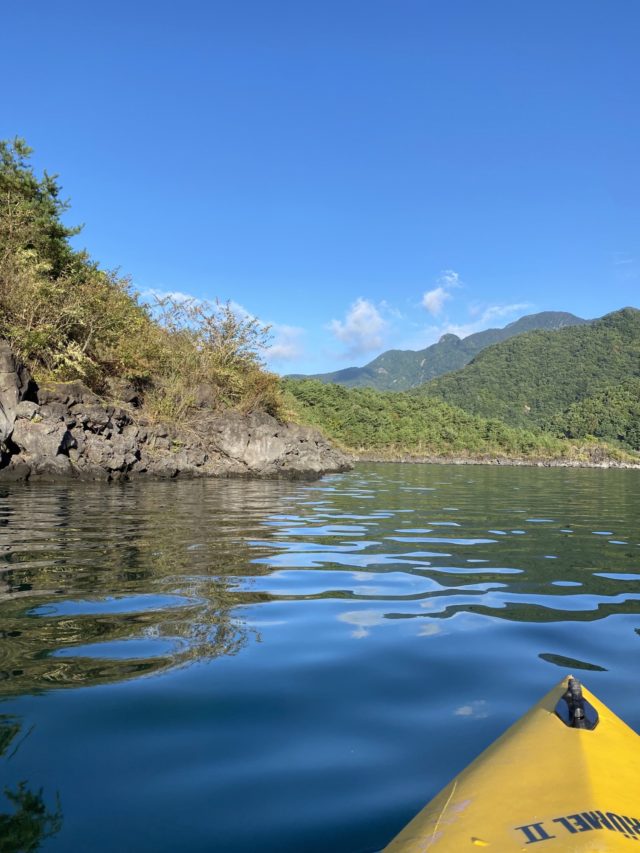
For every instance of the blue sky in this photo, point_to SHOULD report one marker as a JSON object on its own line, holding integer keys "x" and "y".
{"x": 360, "y": 174}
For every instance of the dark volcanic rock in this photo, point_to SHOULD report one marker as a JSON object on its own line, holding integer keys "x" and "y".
{"x": 14, "y": 385}
{"x": 124, "y": 391}
{"x": 93, "y": 417}
{"x": 69, "y": 393}
{"x": 65, "y": 430}
{"x": 41, "y": 439}
{"x": 116, "y": 453}
{"x": 15, "y": 471}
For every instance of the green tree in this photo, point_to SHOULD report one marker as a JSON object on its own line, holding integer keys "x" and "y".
{"x": 396, "y": 424}
{"x": 70, "y": 319}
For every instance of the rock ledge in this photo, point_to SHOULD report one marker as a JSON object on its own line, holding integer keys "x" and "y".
{"x": 64, "y": 430}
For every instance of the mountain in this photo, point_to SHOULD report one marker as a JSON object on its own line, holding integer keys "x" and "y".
{"x": 542, "y": 395}
{"x": 532, "y": 379}
{"x": 398, "y": 370}
{"x": 387, "y": 425}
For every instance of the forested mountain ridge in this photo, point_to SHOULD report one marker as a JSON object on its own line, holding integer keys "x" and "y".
{"x": 399, "y": 425}
{"x": 399, "y": 370}
{"x": 532, "y": 379}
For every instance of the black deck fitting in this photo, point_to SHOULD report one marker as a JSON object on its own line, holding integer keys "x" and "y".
{"x": 574, "y": 710}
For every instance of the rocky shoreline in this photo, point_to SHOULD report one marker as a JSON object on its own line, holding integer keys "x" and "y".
{"x": 62, "y": 430}
{"x": 597, "y": 461}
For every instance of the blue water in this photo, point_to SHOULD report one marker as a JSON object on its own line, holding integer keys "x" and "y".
{"x": 237, "y": 666}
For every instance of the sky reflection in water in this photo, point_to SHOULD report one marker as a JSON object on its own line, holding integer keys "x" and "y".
{"x": 195, "y": 665}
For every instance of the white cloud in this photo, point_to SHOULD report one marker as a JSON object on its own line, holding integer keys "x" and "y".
{"x": 484, "y": 317}
{"x": 626, "y": 266}
{"x": 476, "y": 709}
{"x": 391, "y": 310}
{"x": 286, "y": 344}
{"x": 156, "y": 295}
{"x": 488, "y": 316}
{"x": 433, "y": 300}
{"x": 430, "y": 629}
{"x": 363, "y": 620}
{"x": 362, "y": 329}
{"x": 241, "y": 311}
{"x": 450, "y": 278}
{"x": 499, "y": 311}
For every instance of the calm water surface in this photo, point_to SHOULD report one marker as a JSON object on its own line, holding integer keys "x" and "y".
{"x": 235, "y": 666}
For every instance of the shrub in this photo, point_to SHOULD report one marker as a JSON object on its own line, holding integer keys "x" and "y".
{"x": 70, "y": 319}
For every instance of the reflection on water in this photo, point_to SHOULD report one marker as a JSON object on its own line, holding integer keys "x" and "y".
{"x": 102, "y": 584}
{"x": 28, "y": 822}
{"x": 303, "y": 637}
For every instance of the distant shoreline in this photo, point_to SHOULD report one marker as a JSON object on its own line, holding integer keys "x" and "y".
{"x": 515, "y": 462}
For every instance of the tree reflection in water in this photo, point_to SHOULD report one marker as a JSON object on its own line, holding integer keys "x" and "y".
{"x": 103, "y": 583}
{"x": 29, "y": 823}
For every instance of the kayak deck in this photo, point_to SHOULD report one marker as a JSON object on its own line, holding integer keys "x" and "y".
{"x": 541, "y": 786}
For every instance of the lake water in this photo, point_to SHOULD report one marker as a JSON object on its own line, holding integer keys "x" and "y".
{"x": 241, "y": 666}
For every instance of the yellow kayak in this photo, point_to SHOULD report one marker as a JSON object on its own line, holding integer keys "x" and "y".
{"x": 565, "y": 777}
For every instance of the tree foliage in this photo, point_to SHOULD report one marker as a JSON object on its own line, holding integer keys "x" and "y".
{"x": 70, "y": 319}
{"x": 397, "y": 423}
{"x": 215, "y": 348}
{"x": 613, "y": 415}
{"x": 529, "y": 381}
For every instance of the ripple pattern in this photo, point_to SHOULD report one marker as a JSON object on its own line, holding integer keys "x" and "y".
{"x": 337, "y": 648}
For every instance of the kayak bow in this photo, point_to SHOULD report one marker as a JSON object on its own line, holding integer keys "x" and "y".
{"x": 564, "y": 777}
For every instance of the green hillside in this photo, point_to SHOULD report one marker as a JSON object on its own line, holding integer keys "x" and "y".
{"x": 612, "y": 415}
{"x": 397, "y": 424}
{"x": 399, "y": 370}
{"x": 529, "y": 380}
{"x": 68, "y": 318}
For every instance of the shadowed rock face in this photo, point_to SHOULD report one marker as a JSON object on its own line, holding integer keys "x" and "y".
{"x": 65, "y": 430}
{"x": 14, "y": 385}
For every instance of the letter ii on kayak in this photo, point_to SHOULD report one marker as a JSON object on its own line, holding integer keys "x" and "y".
{"x": 565, "y": 777}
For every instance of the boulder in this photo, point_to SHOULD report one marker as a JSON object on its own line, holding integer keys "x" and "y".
{"x": 14, "y": 386}
{"x": 117, "y": 453}
{"x": 51, "y": 468}
{"x": 89, "y": 472}
{"x": 68, "y": 393}
{"x": 267, "y": 448}
{"x": 119, "y": 417}
{"x": 41, "y": 440}
{"x": 126, "y": 392}
{"x": 91, "y": 416}
{"x": 16, "y": 470}
{"x": 162, "y": 467}
{"x": 28, "y": 410}
{"x": 56, "y": 412}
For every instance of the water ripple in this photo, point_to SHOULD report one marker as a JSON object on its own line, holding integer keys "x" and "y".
{"x": 335, "y": 649}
